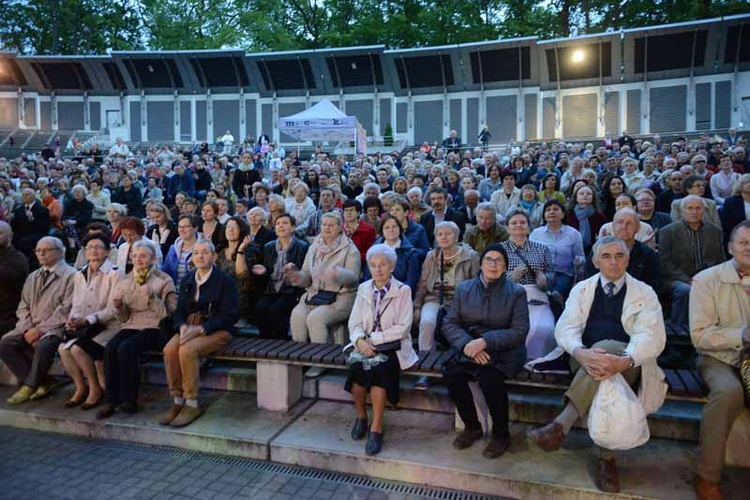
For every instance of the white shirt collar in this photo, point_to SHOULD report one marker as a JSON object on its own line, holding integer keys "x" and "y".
{"x": 201, "y": 281}
{"x": 618, "y": 283}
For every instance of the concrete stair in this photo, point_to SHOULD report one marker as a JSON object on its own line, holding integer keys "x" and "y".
{"x": 417, "y": 446}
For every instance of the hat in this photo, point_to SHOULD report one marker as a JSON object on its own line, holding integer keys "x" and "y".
{"x": 495, "y": 247}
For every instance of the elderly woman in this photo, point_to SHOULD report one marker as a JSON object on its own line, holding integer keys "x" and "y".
{"x": 487, "y": 323}
{"x": 380, "y": 332}
{"x": 162, "y": 230}
{"x": 77, "y": 214}
{"x": 100, "y": 199}
{"x": 444, "y": 268}
{"x": 330, "y": 274}
{"x": 116, "y": 212}
{"x": 417, "y": 205}
{"x": 407, "y": 266}
{"x": 286, "y": 253}
{"x": 142, "y": 300}
{"x": 301, "y": 207}
{"x": 178, "y": 261}
{"x": 91, "y": 323}
{"x": 276, "y": 207}
{"x": 565, "y": 245}
{"x": 204, "y": 319}
{"x": 530, "y": 264}
{"x": 132, "y": 230}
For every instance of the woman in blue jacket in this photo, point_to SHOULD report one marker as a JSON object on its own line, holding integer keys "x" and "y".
{"x": 407, "y": 269}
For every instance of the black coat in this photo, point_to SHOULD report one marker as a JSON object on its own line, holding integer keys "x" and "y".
{"x": 171, "y": 238}
{"x": 14, "y": 268}
{"x": 80, "y": 211}
{"x": 218, "y": 302}
{"x": 732, "y": 213}
{"x": 244, "y": 178}
{"x": 428, "y": 222}
{"x": 296, "y": 255}
{"x": 26, "y": 233}
{"x": 131, "y": 199}
{"x": 498, "y": 313}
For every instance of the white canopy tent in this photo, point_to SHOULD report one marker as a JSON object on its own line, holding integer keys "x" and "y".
{"x": 324, "y": 122}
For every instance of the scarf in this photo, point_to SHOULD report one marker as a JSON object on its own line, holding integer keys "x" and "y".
{"x": 321, "y": 255}
{"x": 528, "y": 205}
{"x": 277, "y": 277}
{"x": 583, "y": 214}
{"x": 141, "y": 276}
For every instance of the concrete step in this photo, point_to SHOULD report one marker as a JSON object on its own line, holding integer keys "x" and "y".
{"x": 676, "y": 419}
{"x": 417, "y": 447}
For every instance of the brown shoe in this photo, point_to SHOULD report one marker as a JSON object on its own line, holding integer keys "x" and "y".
{"x": 496, "y": 447}
{"x": 174, "y": 410}
{"x": 549, "y": 437}
{"x": 186, "y": 416}
{"x": 707, "y": 490}
{"x": 467, "y": 438}
{"x": 606, "y": 476}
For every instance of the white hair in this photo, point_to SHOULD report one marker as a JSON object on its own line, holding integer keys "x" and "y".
{"x": 382, "y": 250}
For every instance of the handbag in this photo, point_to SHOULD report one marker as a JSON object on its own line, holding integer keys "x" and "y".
{"x": 442, "y": 312}
{"x": 322, "y": 298}
{"x": 745, "y": 375}
{"x": 388, "y": 347}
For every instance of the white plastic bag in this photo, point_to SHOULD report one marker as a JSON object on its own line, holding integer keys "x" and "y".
{"x": 616, "y": 418}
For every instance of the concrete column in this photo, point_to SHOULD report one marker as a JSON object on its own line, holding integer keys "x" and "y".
{"x": 279, "y": 385}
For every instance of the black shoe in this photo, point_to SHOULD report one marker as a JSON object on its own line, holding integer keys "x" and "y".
{"x": 467, "y": 438}
{"x": 107, "y": 411}
{"x": 496, "y": 447}
{"x": 374, "y": 443}
{"x": 129, "y": 408}
{"x": 359, "y": 429}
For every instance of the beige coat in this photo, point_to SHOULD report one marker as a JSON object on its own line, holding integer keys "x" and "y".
{"x": 345, "y": 256}
{"x": 428, "y": 289}
{"x": 93, "y": 300}
{"x": 395, "y": 320}
{"x": 719, "y": 312}
{"x": 46, "y": 308}
{"x": 143, "y": 307}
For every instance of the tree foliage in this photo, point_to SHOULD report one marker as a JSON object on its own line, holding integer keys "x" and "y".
{"x": 96, "y": 26}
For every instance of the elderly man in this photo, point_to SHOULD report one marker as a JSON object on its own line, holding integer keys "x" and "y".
{"x": 644, "y": 262}
{"x": 612, "y": 323}
{"x": 685, "y": 249}
{"x": 719, "y": 328}
{"x": 487, "y": 230}
{"x": 30, "y": 223}
{"x": 42, "y": 314}
{"x": 14, "y": 268}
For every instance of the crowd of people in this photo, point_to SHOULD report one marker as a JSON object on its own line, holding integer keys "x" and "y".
{"x": 510, "y": 256}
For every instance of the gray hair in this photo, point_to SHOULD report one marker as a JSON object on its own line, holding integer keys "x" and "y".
{"x": 382, "y": 250}
{"x": 148, "y": 244}
{"x": 449, "y": 224}
{"x": 207, "y": 243}
{"x": 606, "y": 241}
{"x": 55, "y": 242}
{"x": 690, "y": 197}
{"x": 279, "y": 200}
{"x": 486, "y": 206}
{"x": 122, "y": 209}
{"x": 333, "y": 216}
{"x": 415, "y": 189}
{"x": 371, "y": 185}
{"x": 79, "y": 187}
{"x": 627, "y": 212}
{"x": 263, "y": 214}
{"x": 389, "y": 195}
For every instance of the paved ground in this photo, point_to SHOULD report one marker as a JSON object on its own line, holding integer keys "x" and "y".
{"x": 37, "y": 465}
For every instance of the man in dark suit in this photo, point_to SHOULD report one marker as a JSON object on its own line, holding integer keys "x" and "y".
{"x": 685, "y": 249}
{"x": 441, "y": 212}
{"x": 30, "y": 223}
{"x": 644, "y": 262}
{"x": 468, "y": 206}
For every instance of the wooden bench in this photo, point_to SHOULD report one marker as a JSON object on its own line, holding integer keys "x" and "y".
{"x": 279, "y": 369}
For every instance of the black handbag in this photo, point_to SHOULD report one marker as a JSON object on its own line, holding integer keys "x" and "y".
{"x": 322, "y": 298}
{"x": 388, "y": 347}
{"x": 442, "y": 312}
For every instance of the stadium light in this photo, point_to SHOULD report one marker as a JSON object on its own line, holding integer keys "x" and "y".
{"x": 578, "y": 56}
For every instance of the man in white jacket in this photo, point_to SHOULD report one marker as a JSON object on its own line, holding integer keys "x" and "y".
{"x": 720, "y": 330}
{"x": 612, "y": 323}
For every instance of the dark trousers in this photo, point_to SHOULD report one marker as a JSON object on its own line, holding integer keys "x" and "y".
{"x": 121, "y": 373}
{"x": 272, "y": 313}
{"x": 492, "y": 383}
{"x": 29, "y": 364}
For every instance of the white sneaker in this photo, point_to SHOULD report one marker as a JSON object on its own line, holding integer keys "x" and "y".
{"x": 314, "y": 371}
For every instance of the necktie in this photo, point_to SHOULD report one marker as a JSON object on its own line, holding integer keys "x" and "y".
{"x": 45, "y": 277}
{"x": 610, "y": 289}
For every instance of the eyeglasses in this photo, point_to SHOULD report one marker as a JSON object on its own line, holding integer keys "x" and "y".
{"x": 494, "y": 262}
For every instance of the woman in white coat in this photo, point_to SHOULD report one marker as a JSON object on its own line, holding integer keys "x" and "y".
{"x": 380, "y": 327}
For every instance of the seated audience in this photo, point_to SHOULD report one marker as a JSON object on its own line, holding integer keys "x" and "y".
{"x": 286, "y": 253}
{"x": 444, "y": 268}
{"x": 207, "y": 309}
{"x": 487, "y": 230}
{"x": 685, "y": 249}
{"x": 142, "y": 300}
{"x": 30, "y": 223}
{"x": 407, "y": 266}
{"x": 14, "y": 269}
{"x": 412, "y": 231}
{"x": 696, "y": 185}
{"x": 719, "y": 320}
{"x": 163, "y": 231}
{"x": 91, "y": 323}
{"x": 736, "y": 207}
{"x": 612, "y": 323}
{"x": 584, "y": 215}
{"x": 211, "y": 228}
{"x": 441, "y": 212}
{"x": 132, "y": 231}
{"x": 177, "y": 264}
{"x": 28, "y": 350}
{"x": 645, "y": 232}
{"x": 487, "y": 324}
{"x": 231, "y": 259}
{"x": 507, "y": 196}
{"x": 530, "y": 265}
{"x": 360, "y": 232}
{"x": 646, "y": 208}
{"x": 380, "y": 332}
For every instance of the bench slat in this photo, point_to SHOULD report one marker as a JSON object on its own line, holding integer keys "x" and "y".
{"x": 292, "y": 347}
{"x": 303, "y": 355}
{"x": 341, "y": 358}
{"x": 262, "y": 351}
{"x": 320, "y": 356}
{"x": 229, "y": 348}
{"x": 237, "y": 346}
{"x": 692, "y": 385}
{"x": 248, "y": 350}
{"x": 308, "y": 356}
{"x": 285, "y": 347}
